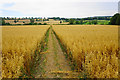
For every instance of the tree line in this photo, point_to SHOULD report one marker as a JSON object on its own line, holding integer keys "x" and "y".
{"x": 114, "y": 20}
{"x": 101, "y": 20}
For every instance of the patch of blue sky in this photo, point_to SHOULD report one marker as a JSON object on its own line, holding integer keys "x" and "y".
{"x": 11, "y": 13}
{"x": 8, "y": 4}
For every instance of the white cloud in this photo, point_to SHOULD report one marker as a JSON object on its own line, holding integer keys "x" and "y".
{"x": 0, "y": 12}
{"x": 49, "y": 8}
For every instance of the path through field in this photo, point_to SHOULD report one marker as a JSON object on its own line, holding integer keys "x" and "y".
{"x": 54, "y": 64}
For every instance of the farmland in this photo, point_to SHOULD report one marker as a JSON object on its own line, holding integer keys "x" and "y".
{"x": 18, "y": 46}
{"x": 93, "y": 48}
{"x": 0, "y": 51}
{"x": 72, "y": 51}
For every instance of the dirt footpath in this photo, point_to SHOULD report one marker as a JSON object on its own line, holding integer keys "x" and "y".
{"x": 55, "y": 65}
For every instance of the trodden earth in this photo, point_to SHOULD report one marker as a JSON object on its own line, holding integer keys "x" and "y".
{"x": 53, "y": 63}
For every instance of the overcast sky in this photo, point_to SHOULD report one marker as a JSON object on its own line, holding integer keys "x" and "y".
{"x": 58, "y": 8}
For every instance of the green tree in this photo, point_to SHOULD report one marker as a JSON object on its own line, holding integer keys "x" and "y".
{"x": 77, "y": 22}
{"x": 72, "y": 21}
{"x": 8, "y": 18}
{"x": 3, "y": 22}
{"x": 32, "y": 21}
{"x": 118, "y": 20}
{"x": 60, "y": 22}
{"x": 7, "y": 23}
{"x": 94, "y": 22}
{"x": 45, "y": 24}
{"x": 36, "y": 19}
{"x": 39, "y": 24}
{"x": 81, "y": 21}
{"x": 15, "y": 21}
{"x": 114, "y": 18}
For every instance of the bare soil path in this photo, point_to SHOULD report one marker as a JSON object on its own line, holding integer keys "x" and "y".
{"x": 54, "y": 64}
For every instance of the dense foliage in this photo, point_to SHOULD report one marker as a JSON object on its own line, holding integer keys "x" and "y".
{"x": 115, "y": 20}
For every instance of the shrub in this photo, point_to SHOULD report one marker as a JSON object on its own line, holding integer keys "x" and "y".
{"x": 45, "y": 24}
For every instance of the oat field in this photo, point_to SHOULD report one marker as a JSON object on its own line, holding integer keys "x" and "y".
{"x": 70, "y": 51}
{"x": 18, "y": 46}
{"x": 93, "y": 48}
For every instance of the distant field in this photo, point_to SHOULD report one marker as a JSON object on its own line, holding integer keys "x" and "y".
{"x": 93, "y": 47}
{"x": 97, "y": 22}
{"x": 27, "y": 21}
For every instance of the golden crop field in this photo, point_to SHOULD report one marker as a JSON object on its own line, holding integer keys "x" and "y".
{"x": 0, "y": 51}
{"x": 93, "y": 47}
{"x": 18, "y": 46}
